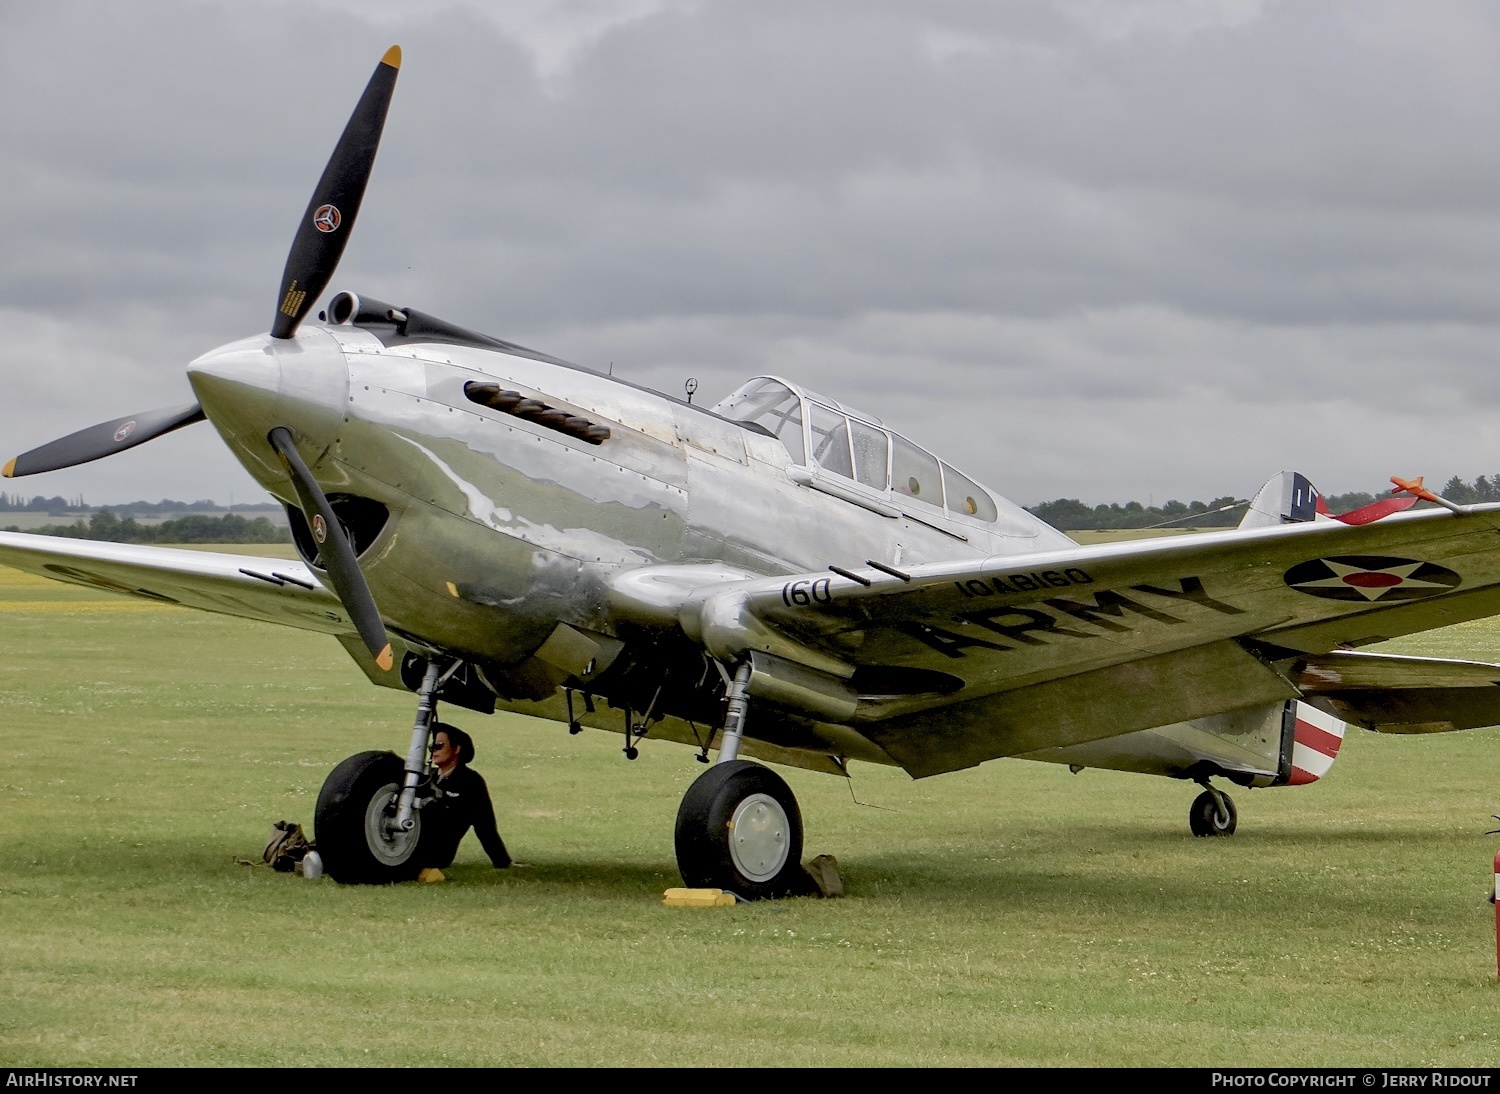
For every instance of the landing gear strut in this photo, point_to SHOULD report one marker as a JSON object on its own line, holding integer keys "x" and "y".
{"x": 739, "y": 827}
{"x": 1212, "y": 812}
{"x": 368, "y": 819}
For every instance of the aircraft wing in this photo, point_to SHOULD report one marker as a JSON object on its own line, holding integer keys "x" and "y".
{"x": 269, "y": 589}
{"x": 1029, "y": 652}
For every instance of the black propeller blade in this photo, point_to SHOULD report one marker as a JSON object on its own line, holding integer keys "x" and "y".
{"x": 337, "y": 552}
{"x": 324, "y": 229}
{"x": 104, "y": 439}
{"x": 315, "y": 253}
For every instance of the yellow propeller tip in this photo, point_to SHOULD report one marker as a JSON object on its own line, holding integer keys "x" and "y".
{"x": 383, "y": 659}
{"x": 9, "y": 470}
{"x": 392, "y": 57}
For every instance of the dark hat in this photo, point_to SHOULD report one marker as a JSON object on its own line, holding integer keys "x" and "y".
{"x": 458, "y": 739}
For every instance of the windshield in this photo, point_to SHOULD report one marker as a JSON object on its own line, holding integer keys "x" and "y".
{"x": 854, "y": 449}
{"x": 774, "y": 407}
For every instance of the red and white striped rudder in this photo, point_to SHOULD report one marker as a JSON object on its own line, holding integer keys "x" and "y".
{"x": 1316, "y": 740}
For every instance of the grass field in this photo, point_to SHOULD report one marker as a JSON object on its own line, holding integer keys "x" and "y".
{"x": 1010, "y": 914}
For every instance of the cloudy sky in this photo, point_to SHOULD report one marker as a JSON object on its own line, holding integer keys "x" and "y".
{"x": 1106, "y": 250}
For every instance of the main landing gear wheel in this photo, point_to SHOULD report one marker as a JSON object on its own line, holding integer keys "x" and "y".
{"x": 739, "y": 829}
{"x": 1206, "y": 819}
{"x": 354, "y": 825}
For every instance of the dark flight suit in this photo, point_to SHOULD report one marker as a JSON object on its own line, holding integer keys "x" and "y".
{"x": 465, "y": 804}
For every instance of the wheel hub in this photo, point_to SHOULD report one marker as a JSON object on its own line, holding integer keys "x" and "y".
{"x": 759, "y": 837}
{"x": 389, "y": 844}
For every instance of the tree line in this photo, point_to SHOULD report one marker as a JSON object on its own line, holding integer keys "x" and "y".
{"x": 53, "y": 506}
{"x": 193, "y": 528}
{"x": 1068, "y": 514}
{"x": 57, "y": 506}
{"x": 1072, "y": 515}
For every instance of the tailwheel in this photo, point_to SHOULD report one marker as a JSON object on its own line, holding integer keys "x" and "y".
{"x": 739, "y": 829}
{"x": 1212, "y": 814}
{"x": 358, "y": 839}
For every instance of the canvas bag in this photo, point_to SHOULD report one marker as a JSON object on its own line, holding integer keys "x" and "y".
{"x": 286, "y": 846}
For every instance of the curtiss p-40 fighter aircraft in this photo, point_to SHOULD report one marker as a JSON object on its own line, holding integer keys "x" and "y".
{"x": 779, "y": 577}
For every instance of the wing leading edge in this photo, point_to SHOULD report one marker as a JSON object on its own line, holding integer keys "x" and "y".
{"x": 272, "y": 590}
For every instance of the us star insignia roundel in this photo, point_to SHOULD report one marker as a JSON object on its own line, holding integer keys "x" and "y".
{"x": 1370, "y": 578}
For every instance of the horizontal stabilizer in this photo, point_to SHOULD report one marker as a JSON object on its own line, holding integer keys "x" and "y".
{"x": 1393, "y": 694}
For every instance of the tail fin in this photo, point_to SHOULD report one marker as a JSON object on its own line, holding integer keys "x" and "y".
{"x": 1290, "y": 498}
{"x": 1286, "y": 498}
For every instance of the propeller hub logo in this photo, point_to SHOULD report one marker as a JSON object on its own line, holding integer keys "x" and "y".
{"x": 1371, "y": 578}
{"x": 125, "y": 430}
{"x": 319, "y": 527}
{"x": 326, "y": 218}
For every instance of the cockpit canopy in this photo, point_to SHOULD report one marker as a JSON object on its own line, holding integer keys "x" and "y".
{"x": 843, "y": 441}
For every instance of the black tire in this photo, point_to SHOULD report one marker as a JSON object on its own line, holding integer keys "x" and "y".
{"x": 708, "y": 854}
{"x": 1204, "y": 819}
{"x": 346, "y": 823}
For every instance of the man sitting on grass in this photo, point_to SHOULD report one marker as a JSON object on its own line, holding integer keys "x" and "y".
{"x": 463, "y": 802}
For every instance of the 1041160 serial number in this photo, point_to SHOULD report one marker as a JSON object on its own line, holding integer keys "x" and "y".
{"x": 1035, "y": 581}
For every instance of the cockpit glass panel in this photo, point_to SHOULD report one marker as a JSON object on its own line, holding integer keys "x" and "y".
{"x": 871, "y": 449}
{"x": 830, "y": 440}
{"x": 774, "y": 407}
{"x": 914, "y": 473}
{"x": 967, "y": 497}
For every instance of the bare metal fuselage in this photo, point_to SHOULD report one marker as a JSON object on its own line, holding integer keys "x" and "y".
{"x": 504, "y": 537}
{"x": 528, "y": 523}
